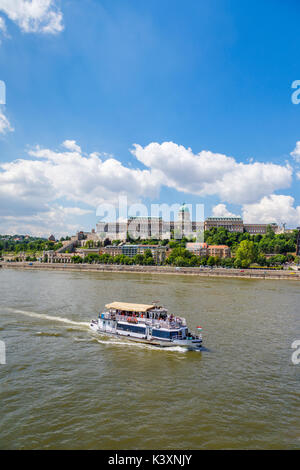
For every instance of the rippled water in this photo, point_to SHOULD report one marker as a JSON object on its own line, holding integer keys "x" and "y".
{"x": 65, "y": 387}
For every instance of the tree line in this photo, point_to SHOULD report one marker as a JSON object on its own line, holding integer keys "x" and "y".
{"x": 246, "y": 249}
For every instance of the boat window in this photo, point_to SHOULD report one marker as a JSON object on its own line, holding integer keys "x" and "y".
{"x": 161, "y": 334}
{"x": 131, "y": 328}
{"x": 164, "y": 334}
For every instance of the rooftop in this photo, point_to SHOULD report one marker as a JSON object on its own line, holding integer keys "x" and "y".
{"x": 218, "y": 246}
{"x": 144, "y": 217}
{"x": 196, "y": 245}
{"x": 126, "y": 307}
{"x": 239, "y": 219}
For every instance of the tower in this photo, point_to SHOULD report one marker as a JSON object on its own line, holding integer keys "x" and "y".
{"x": 184, "y": 214}
{"x": 184, "y": 224}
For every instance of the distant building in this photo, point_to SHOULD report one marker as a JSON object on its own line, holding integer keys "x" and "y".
{"x": 111, "y": 250}
{"x": 112, "y": 230}
{"x": 202, "y": 249}
{"x": 259, "y": 229}
{"x": 145, "y": 228}
{"x": 51, "y": 238}
{"x": 158, "y": 252}
{"x": 222, "y": 251}
{"x": 232, "y": 224}
{"x": 236, "y": 224}
{"x": 198, "y": 249}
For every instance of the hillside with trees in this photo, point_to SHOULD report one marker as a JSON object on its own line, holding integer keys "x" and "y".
{"x": 269, "y": 250}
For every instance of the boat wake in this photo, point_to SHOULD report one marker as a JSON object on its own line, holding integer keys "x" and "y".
{"x": 47, "y": 333}
{"x": 107, "y": 341}
{"x": 84, "y": 325}
{"x": 119, "y": 342}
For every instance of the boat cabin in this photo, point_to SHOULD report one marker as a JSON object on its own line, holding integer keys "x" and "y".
{"x": 138, "y": 310}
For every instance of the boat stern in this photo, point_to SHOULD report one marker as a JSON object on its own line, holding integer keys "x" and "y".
{"x": 191, "y": 344}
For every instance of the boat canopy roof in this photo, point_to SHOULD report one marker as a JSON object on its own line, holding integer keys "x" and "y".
{"x": 130, "y": 307}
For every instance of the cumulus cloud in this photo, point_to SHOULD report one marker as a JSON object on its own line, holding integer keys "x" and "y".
{"x": 28, "y": 186}
{"x": 34, "y": 16}
{"x": 35, "y": 188}
{"x": 296, "y": 152}
{"x": 220, "y": 210}
{"x": 208, "y": 173}
{"x": 58, "y": 220}
{"x": 71, "y": 145}
{"x": 273, "y": 208}
{"x": 5, "y": 125}
{"x": 2, "y": 25}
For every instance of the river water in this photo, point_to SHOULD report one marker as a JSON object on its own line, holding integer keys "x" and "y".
{"x": 64, "y": 387}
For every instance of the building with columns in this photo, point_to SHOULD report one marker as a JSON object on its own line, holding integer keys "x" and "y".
{"x": 155, "y": 227}
{"x": 152, "y": 227}
{"x": 232, "y": 224}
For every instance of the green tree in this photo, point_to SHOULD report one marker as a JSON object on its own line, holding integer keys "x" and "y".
{"x": 211, "y": 261}
{"x": 76, "y": 259}
{"x": 180, "y": 261}
{"x": 148, "y": 253}
{"x": 92, "y": 258}
{"x": 245, "y": 254}
{"x": 138, "y": 259}
{"x": 270, "y": 232}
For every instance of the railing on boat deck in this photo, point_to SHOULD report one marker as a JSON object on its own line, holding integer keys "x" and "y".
{"x": 153, "y": 322}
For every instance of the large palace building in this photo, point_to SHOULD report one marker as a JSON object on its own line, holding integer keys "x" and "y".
{"x": 236, "y": 224}
{"x": 156, "y": 228}
{"x": 152, "y": 227}
{"x": 232, "y": 224}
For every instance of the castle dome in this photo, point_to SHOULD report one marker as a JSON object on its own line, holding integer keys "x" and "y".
{"x": 184, "y": 208}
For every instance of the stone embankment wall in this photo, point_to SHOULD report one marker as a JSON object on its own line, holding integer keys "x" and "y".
{"x": 205, "y": 272}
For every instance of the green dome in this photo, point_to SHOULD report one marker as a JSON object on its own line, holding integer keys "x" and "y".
{"x": 184, "y": 208}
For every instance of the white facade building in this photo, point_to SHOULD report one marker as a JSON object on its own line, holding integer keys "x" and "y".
{"x": 152, "y": 227}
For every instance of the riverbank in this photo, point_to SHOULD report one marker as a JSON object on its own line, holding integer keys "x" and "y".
{"x": 204, "y": 272}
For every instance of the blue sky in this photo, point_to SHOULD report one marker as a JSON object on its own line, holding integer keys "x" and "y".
{"x": 202, "y": 87}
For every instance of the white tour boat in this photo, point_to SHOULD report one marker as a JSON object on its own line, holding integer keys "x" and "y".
{"x": 149, "y": 324}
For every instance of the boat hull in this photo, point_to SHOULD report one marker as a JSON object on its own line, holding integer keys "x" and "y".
{"x": 191, "y": 345}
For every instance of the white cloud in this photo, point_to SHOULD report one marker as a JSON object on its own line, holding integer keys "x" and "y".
{"x": 221, "y": 210}
{"x": 296, "y": 152}
{"x": 34, "y": 189}
{"x": 2, "y": 25}
{"x": 71, "y": 145}
{"x": 59, "y": 220}
{"x": 208, "y": 173}
{"x": 274, "y": 208}
{"x": 5, "y": 125}
{"x": 30, "y": 186}
{"x": 89, "y": 178}
{"x": 34, "y": 16}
